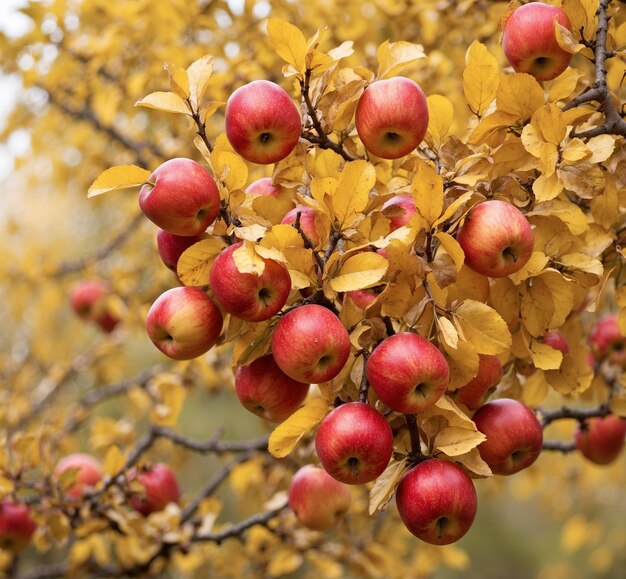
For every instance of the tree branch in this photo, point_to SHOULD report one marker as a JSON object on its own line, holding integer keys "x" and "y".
{"x": 549, "y": 416}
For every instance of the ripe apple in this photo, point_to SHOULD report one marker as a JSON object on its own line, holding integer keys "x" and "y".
{"x": 364, "y": 298}
{"x": 601, "y": 440}
{"x": 310, "y": 344}
{"x": 171, "y": 246}
{"x": 180, "y": 197}
{"x": 514, "y": 435}
{"x": 249, "y": 296}
{"x": 262, "y": 123}
{"x": 16, "y": 526}
{"x": 184, "y": 323}
{"x": 556, "y": 340}
{"x": 437, "y": 501}
{"x": 161, "y": 488}
{"x": 265, "y": 390}
{"x": 264, "y": 187}
{"x": 475, "y": 393}
{"x": 399, "y": 210}
{"x": 407, "y": 372}
{"x": 88, "y": 299}
{"x": 607, "y": 342}
{"x": 496, "y": 238}
{"x": 392, "y": 117}
{"x": 529, "y": 40}
{"x": 88, "y": 472}
{"x": 317, "y": 499}
{"x": 354, "y": 443}
{"x": 307, "y": 221}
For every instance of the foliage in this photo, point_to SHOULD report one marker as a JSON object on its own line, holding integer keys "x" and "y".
{"x": 98, "y": 109}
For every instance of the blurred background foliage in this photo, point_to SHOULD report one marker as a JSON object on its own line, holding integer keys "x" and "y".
{"x": 77, "y": 68}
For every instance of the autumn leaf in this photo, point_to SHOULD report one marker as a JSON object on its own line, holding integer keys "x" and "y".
{"x": 288, "y": 42}
{"x": 286, "y": 436}
{"x": 483, "y": 327}
{"x": 120, "y": 177}
{"x": 164, "y": 101}
{"x": 194, "y": 264}
{"x": 384, "y": 488}
{"x": 360, "y": 271}
{"x": 394, "y": 56}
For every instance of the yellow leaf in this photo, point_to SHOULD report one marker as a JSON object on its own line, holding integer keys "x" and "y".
{"x": 480, "y": 86}
{"x": 564, "y": 85}
{"x": 455, "y": 206}
{"x": 282, "y": 237}
{"x": 520, "y": 95}
{"x": 532, "y": 139}
{"x": 452, "y": 248}
{"x": 474, "y": 463}
{"x": 575, "y": 150}
{"x": 483, "y": 327}
{"x": 440, "y": 115}
{"x": 288, "y": 42}
{"x": 6, "y": 486}
{"x": 585, "y": 179}
{"x": 456, "y": 440}
{"x": 562, "y": 296}
{"x": 114, "y": 461}
{"x": 547, "y": 188}
{"x": 199, "y": 73}
{"x": 463, "y": 362}
{"x": 286, "y": 435}
{"x": 352, "y": 193}
{"x": 120, "y": 177}
{"x": 535, "y": 389}
{"x": 602, "y": 148}
{"x": 618, "y": 405}
{"x": 549, "y": 120}
{"x": 383, "y": 490}
{"x": 545, "y": 357}
{"x": 253, "y": 232}
{"x": 247, "y": 260}
{"x": 565, "y": 38}
{"x": 170, "y": 397}
{"x": 360, "y": 271}
{"x": 537, "y": 307}
{"x": 567, "y": 212}
{"x": 573, "y": 377}
{"x": 179, "y": 80}
{"x": 194, "y": 265}
{"x": 284, "y": 561}
{"x": 447, "y": 332}
{"x": 394, "y": 56}
{"x": 427, "y": 189}
{"x": 164, "y": 101}
{"x": 577, "y": 14}
{"x": 229, "y": 168}
{"x": 605, "y": 207}
{"x": 575, "y": 534}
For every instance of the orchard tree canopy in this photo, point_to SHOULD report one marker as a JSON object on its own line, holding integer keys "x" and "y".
{"x": 380, "y": 248}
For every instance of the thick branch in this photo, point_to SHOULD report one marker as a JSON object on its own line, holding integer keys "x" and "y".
{"x": 559, "y": 446}
{"x": 213, "y": 444}
{"x": 549, "y": 416}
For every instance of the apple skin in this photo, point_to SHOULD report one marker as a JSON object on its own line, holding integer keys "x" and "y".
{"x": 181, "y": 197}
{"x": 601, "y": 439}
{"x": 89, "y": 472}
{"x": 556, "y": 340}
{"x": 161, "y": 488}
{"x": 264, "y": 187}
{"x": 404, "y": 203}
{"x": 184, "y": 323}
{"x": 317, "y": 499}
{"x": 265, "y": 390}
{"x": 310, "y": 344}
{"x": 497, "y": 239}
{"x": 16, "y": 526}
{"x": 529, "y": 41}
{"x": 88, "y": 300}
{"x": 514, "y": 435}
{"x": 249, "y": 296}
{"x": 407, "y": 372}
{"x": 475, "y": 393}
{"x": 171, "y": 246}
{"x": 354, "y": 443}
{"x": 363, "y": 298}
{"x": 262, "y": 123}
{"x": 607, "y": 341}
{"x": 307, "y": 221}
{"x": 437, "y": 501}
{"x": 392, "y": 117}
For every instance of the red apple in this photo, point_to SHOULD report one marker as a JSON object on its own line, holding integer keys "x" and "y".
{"x": 88, "y": 472}
{"x": 88, "y": 299}
{"x": 601, "y": 440}
{"x": 16, "y": 526}
{"x": 607, "y": 342}
{"x": 161, "y": 488}
{"x": 265, "y": 390}
{"x": 249, "y": 296}
{"x": 184, "y": 323}
{"x": 180, "y": 197}
{"x": 556, "y": 340}
{"x": 354, "y": 443}
{"x": 496, "y": 238}
{"x": 475, "y": 393}
{"x": 408, "y": 373}
{"x": 171, "y": 246}
{"x": 307, "y": 221}
{"x": 264, "y": 187}
{"x": 529, "y": 40}
{"x": 399, "y": 210}
{"x": 437, "y": 501}
{"x": 514, "y": 435}
{"x": 310, "y": 344}
{"x": 317, "y": 499}
{"x": 364, "y": 298}
{"x": 262, "y": 123}
{"x": 392, "y": 117}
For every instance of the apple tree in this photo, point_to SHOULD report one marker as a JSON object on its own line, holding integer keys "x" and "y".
{"x": 348, "y": 273}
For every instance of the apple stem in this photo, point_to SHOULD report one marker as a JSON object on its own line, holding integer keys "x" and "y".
{"x": 416, "y": 445}
{"x": 364, "y": 387}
